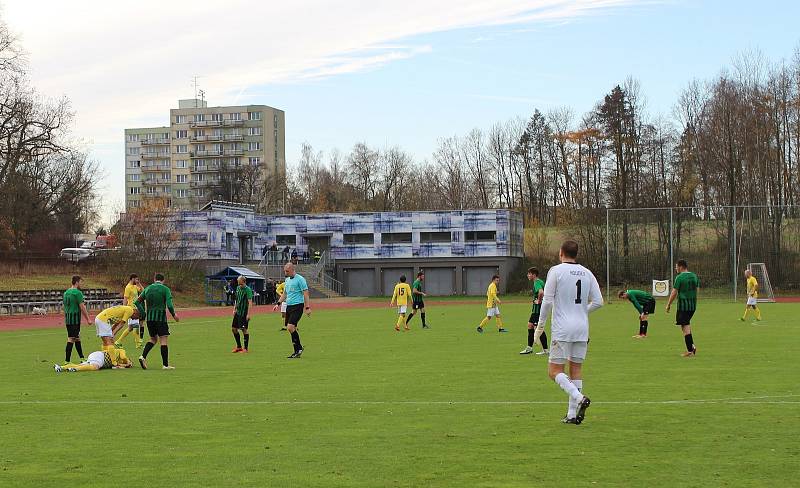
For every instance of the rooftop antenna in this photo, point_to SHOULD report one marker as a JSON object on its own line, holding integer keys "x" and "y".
{"x": 202, "y": 94}
{"x": 197, "y": 91}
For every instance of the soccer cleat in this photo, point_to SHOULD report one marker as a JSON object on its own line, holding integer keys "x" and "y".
{"x": 543, "y": 352}
{"x": 639, "y": 336}
{"x": 57, "y": 368}
{"x": 283, "y": 328}
{"x": 741, "y": 319}
{"x": 480, "y": 329}
{"x": 298, "y": 353}
{"x": 142, "y": 362}
{"x": 167, "y": 367}
{"x": 72, "y": 370}
{"x": 397, "y": 328}
{"x": 502, "y": 330}
{"x": 237, "y": 349}
{"x": 689, "y": 354}
{"x": 582, "y": 406}
{"x": 527, "y": 350}
{"x": 245, "y": 351}
{"x": 567, "y": 420}
{"x": 426, "y": 326}
{"x": 406, "y": 329}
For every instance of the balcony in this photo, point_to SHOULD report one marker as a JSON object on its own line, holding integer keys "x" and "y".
{"x": 157, "y": 194}
{"x": 234, "y": 152}
{"x": 159, "y": 155}
{"x": 233, "y": 123}
{"x": 202, "y": 168}
{"x": 205, "y": 154}
{"x": 202, "y": 184}
{"x": 152, "y": 142}
{"x": 234, "y": 137}
{"x": 207, "y": 123}
{"x": 150, "y": 168}
{"x": 211, "y": 138}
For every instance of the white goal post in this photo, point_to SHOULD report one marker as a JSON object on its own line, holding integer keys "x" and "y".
{"x": 765, "y": 291}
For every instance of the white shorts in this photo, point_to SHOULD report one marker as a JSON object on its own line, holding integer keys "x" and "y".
{"x": 283, "y": 307}
{"x": 96, "y": 358}
{"x": 561, "y": 352}
{"x": 103, "y": 329}
{"x": 402, "y": 309}
{"x": 752, "y": 301}
{"x": 494, "y": 311}
{"x": 133, "y": 323}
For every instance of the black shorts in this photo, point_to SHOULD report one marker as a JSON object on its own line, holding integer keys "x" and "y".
{"x": 649, "y": 307}
{"x": 534, "y": 318}
{"x": 294, "y": 313}
{"x": 417, "y": 304}
{"x": 160, "y": 329}
{"x": 240, "y": 322}
{"x": 73, "y": 330}
{"x": 684, "y": 317}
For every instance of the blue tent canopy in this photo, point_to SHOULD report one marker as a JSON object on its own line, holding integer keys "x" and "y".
{"x": 215, "y": 283}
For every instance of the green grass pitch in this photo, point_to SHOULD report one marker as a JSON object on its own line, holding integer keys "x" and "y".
{"x": 367, "y": 406}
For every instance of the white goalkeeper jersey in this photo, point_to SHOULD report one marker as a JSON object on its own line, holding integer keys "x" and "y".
{"x": 571, "y": 294}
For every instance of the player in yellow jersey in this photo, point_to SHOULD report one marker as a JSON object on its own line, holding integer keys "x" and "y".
{"x": 110, "y": 320}
{"x": 492, "y": 306}
{"x": 131, "y": 293}
{"x": 279, "y": 290}
{"x": 401, "y": 296}
{"x": 109, "y": 359}
{"x": 752, "y": 296}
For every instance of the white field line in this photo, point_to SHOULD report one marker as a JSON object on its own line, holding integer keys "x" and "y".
{"x": 739, "y": 401}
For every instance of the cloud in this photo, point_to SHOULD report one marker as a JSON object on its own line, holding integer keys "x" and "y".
{"x": 123, "y": 64}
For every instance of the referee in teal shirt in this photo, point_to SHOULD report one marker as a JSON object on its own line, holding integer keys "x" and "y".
{"x": 295, "y": 294}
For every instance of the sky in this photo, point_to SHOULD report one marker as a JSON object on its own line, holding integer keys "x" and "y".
{"x": 386, "y": 73}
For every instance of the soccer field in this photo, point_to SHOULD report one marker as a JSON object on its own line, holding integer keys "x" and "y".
{"x": 368, "y": 406}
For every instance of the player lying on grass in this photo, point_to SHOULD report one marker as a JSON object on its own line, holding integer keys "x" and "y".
{"x": 110, "y": 320}
{"x": 108, "y": 359}
{"x": 752, "y": 296}
{"x": 535, "y": 328}
{"x": 492, "y": 306}
{"x": 644, "y": 303}
{"x": 400, "y": 296}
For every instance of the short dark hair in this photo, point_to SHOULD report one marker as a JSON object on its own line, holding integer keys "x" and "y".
{"x": 683, "y": 264}
{"x": 159, "y": 277}
{"x": 533, "y": 271}
{"x": 621, "y": 293}
{"x": 495, "y": 277}
{"x": 570, "y": 249}
{"x": 420, "y": 274}
{"x": 402, "y": 278}
{"x": 75, "y": 279}
{"x": 133, "y": 275}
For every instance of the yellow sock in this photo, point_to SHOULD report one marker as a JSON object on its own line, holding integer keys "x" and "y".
{"x": 484, "y": 322}
{"x": 400, "y": 321}
{"x": 746, "y": 310}
{"x": 124, "y": 334}
{"x": 758, "y": 313}
{"x": 499, "y": 322}
{"x": 136, "y": 337}
{"x": 79, "y": 367}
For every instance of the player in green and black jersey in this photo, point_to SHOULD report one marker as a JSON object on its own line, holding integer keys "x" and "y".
{"x": 685, "y": 290}
{"x": 241, "y": 314}
{"x": 74, "y": 309}
{"x": 645, "y": 304}
{"x": 158, "y": 299}
{"x": 418, "y": 300}
{"x": 535, "y": 329}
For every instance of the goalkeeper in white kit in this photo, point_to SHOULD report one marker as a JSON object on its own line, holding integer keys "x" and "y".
{"x": 571, "y": 293}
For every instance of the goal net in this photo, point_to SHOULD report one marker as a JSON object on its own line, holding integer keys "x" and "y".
{"x": 765, "y": 291}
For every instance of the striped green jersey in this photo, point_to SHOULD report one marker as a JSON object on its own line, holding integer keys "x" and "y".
{"x": 538, "y": 284}
{"x": 72, "y": 306}
{"x": 415, "y": 297}
{"x": 158, "y": 299}
{"x": 639, "y": 299}
{"x": 243, "y": 294}
{"x": 687, "y": 284}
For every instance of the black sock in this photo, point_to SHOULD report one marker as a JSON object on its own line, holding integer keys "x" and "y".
{"x": 79, "y": 349}
{"x": 165, "y": 355}
{"x": 68, "y": 352}
{"x": 422, "y": 315}
{"x": 531, "y": 333}
{"x": 296, "y": 341}
{"x": 543, "y": 339}
{"x": 238, "y": 339}
{"x": 246, "y": 340}
{"x": 410, "y": 316}
{"x": 147, "y": 348}
{"x": 642, "y": 327}
{"x": 689, "y": 342}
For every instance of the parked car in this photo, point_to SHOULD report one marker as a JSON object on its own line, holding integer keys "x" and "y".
{"x": 76, "y": 254}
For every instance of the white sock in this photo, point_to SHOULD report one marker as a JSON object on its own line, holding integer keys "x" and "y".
{"x": 573, "y": 405}
{"x": 563, "y": 381}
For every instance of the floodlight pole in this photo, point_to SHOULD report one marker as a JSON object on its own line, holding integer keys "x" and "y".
{"x": 671, "y": 249}
{"x": 608, "y": 257}
{"x": 733, "y": 257}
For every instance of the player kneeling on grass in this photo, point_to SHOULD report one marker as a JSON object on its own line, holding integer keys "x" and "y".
{"x": 492, "y": 306}
{"x": 108, "y": 359}
{"x": 752, "y": 296}
{"x": 110, "y": 320}
{"x": 400, "y": 296}
{"x": 571, "y": 294}
{"x": 241, "y": 315}
{"x": 645, "y": 304}
{"x": 535, "y": 329}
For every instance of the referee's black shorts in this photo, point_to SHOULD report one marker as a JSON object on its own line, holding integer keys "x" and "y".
{"x": 294, "y": 313}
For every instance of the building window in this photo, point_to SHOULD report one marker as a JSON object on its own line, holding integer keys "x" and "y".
{"x": 276, "y": 137}
{"x": 134, "y": 203}
{"x": 253, "y": 146}
{"x": 229, "y": 241}
{"x": 480, "y": 236}
{"x": 199, "y": 132}
{"x": 254, "y": 115}
{"x": 235, "y": 162}
{"x": 181, "y": 149}
{"x": 287, "y": 240}
{"x": 275, "y": 120}
{"x": 396, "y": 237}
{"x": 133, "y": 137}
{"x": 198, "y": 177}
{"x": 134, "y": 164}
{"x": 236, "y": 116}
{"x": 216, "y": 117}
{"x": 181, "y": 193}
{"x": 217, "y": 132}
{"x": 180, "y": 178}
{"x": 255, "y": 161}
{"x": 181, "y": 163}
{"x": 359, "y": 239}
{"x": 133, "y": 151}
{"x": 135, "y": 177}
{"x": 217, "y": 148}
{"x": 198, "y": 192}
{"x": 254, "y": 131}
{"x": 180, "y": 119}
{"x": 198, "y": 117}
{"x": 181, "y": 134}
{"x": 215, "y": 163}
{"x": 135, "y": 190}
{"x": 164, "y": 176}
{"x": 425, "y": 237}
